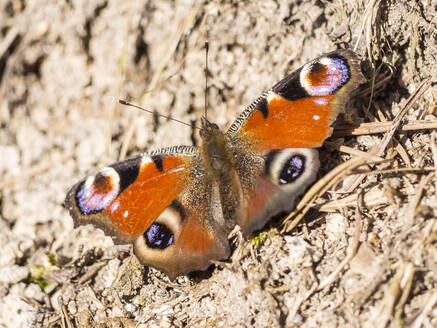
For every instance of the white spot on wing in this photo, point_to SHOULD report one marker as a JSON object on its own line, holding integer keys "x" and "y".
{"x": 114, "y": 206}
{"x": 327, "y": 62}
{"x": 316, "y": 117}
{"x": 146, "y": 159}
{"x": 113, "y": 176}
{"x": 303, "y": 78}
{"x": 88, "y": 183}
{"x": 321, "y": 101}
{"x": 270, "y": 96}
{"x": 109, "y": 173}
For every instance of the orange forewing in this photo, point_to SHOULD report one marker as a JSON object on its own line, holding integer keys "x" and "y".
{"x": 302, "y": 123}
{"x": 138, "y": 205}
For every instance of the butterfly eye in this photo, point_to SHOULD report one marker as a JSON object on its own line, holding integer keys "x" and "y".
{"x": 292, "y": 169}
{"x": 158, "y": 236}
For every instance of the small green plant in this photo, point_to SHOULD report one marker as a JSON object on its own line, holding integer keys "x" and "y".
{"x": 51, "y": 258}
{"x": 36, "y": 275}
{"x": 260, "y": 238}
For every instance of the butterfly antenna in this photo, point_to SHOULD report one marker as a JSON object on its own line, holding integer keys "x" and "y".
{"x": 206, "y": 78}
{"x": 124, "y": 102}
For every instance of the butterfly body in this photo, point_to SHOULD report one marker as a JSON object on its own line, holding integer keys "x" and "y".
{"x": 179, "y": 204}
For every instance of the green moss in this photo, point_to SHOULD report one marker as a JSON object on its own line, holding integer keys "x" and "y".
{"x": 259, "y": 239}
{"x": 51, "y": 258}
{"x": 36, "y": 275}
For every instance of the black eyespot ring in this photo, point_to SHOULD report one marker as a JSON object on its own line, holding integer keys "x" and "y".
{"x": 158, "y": 236}
{"x": 292, "y": 169}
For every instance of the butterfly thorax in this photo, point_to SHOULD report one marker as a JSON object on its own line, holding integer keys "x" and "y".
{"x": 218, "y": 159}
{"x": 216, "y": 151}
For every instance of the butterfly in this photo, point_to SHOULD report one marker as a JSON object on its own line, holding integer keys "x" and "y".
{"x": 177, "y": 205}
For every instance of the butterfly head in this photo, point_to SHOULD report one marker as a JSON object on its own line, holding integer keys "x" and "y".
{"x": 208, "y": 128}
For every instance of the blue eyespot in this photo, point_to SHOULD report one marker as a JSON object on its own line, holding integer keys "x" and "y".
{"x": 158, "y": 236}
{"x": 292, "y": 169}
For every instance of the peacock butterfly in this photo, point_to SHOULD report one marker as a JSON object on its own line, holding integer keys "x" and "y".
{"x": 179, "y": 204}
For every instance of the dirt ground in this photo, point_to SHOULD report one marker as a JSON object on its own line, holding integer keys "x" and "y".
{"x": 64, "y": 65}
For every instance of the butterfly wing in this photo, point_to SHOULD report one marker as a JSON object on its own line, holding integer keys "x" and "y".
{"x": 277, "y": 132}
{"x": 299, "y": 110}
{"x": 160, "y": 200}
{"x": 187, "y": 235}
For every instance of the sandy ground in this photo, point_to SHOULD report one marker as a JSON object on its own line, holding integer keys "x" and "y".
{"x": 63, "y": 65}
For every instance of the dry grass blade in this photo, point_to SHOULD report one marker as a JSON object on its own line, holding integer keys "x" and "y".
{"x": 91, "y": 272}
{"x": 428, "y": 308}
{"x": 398, "y": 119}
{"x": 373, "y": 197}
{"x": 294, "y": 311}
{"x": 417, "y": 196}
{"x": 333, "y": 275}
{"x": 378, "y": 83}
{"x": 367, "y": 22}
{"x": 64, "y": 314}
{"x": 381, "y": 127}
{"x": 385, "y": 310}
{"x": 10, "y": 37}
{"x": 434, "y": 154}
{"x": 405, "y": 285}
{"x": 380, "y": 150}
{"x": 318, "y": 189}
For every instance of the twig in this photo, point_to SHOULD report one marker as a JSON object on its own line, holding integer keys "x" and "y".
{"x": 428, "y": 307}
{"x": 8, "y": 40}
{"x": 374, "y": 197}
{"x": 434, "y": 154}
{"x": 318, "y": 189}
{"x": 379, "y": 151}
{"x": 400, "y": 169}
{"x": 417, "y": 196}
{"x": 64, "y": 313}
{"x": 381, "y": 127}
{"x": 352, "y": 151}
{"x": 91, "y": 272}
